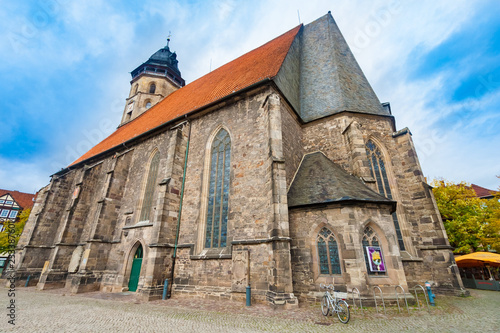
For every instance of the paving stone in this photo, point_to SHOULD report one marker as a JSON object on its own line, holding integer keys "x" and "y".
{"x": 55, "y": 311}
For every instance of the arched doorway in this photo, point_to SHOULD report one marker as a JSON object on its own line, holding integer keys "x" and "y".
{"x": 135, "y": 272}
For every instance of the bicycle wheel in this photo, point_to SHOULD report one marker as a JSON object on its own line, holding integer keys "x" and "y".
{"x": 324, "y": 306}
{"x": 343, "y": 311}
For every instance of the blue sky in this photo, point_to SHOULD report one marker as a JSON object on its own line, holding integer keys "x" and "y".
{"x": 65, "y": 71}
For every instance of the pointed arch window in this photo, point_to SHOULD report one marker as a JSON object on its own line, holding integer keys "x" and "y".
{"x": 218, "y": 193}
{"x": 328, "y": 252}
{"x": 379, "y": 173}
{"x": 370, "y": 239}
{"x": 150, "y": 187}
{"x": 152, "y": 88}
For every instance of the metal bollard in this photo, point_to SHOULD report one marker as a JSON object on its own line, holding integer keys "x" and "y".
{"x": 27, "y": 281}
{"x": 249, "y": 296}
{"x": 429, "y": 292}
{"x": 165, "y": 288}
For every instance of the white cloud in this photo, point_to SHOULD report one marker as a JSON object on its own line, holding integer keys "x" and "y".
{"x": 220, "y": 32}
{"x": 24, "y": 177}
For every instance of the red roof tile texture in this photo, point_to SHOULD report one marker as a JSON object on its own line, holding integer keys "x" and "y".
{"x": 25, "y": 200}
{"x": 251, "y": 68}
{"x": 481, "y": 191}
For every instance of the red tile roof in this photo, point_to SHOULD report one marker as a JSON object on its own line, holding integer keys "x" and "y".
{"x": 25, "y": 200}
{"x": 482, "y": 192}
{"x": 251, "y": 68}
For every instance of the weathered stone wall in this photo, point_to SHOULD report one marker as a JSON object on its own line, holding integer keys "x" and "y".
{"x": 341, "y": 138}
{"x": 256, "y": 207}
{"x": 249, "y": 200}
{"x": 347, "y": 222}
{"x": 55, "y": 207}
{"x": 292, "y": 143}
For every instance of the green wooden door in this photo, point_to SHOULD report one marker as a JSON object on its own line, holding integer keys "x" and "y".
{"x": 135, "y": 272}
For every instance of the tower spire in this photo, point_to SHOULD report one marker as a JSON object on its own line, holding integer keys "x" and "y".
{"x": 168, "y": 38}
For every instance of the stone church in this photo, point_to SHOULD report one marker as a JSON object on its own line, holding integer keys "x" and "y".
{"x": 280, "y": 170}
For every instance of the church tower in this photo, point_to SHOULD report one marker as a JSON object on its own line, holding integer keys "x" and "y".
{"x": 151, "y": 82}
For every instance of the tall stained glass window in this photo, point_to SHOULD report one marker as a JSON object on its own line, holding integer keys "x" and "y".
{"x": 370, "y": 239}
{"x": 378, "y": 171}
{"x": 328, "y": 252}
{"x": 218, "y": 193}
{"x": 147, "y": 201}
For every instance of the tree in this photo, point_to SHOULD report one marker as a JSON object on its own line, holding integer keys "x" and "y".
{"x": 7, "y": 235}
{"x": 490, "y": 237}
{"x": 472, "y": 224}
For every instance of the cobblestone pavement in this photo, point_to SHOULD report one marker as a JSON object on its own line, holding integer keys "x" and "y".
{"x": 54, "y": 311}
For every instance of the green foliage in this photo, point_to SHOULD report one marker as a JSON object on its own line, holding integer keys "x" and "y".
{"x": 15, "y": 234}
{"x": 472, "y": 224}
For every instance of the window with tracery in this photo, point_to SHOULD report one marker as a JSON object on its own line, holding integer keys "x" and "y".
{"x": 147, "y": 201}
{"x": 370, "y": 239}
{"x": 379, "y": 173}
{"x": 328, "y": 252}
{"x": 218, "y": 193}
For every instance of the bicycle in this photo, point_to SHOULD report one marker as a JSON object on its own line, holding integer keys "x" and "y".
{"x": 329, "y": 302}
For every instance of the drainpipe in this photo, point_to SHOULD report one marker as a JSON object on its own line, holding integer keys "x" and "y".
{"x": 180, "y": 208}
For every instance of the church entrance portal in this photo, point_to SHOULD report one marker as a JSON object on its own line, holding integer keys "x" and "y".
{"x": 135, "y": 272}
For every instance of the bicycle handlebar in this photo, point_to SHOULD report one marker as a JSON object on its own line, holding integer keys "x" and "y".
{"x": 328, "y": 286}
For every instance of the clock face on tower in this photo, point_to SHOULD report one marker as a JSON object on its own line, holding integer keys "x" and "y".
{"x": 130, "y": 107}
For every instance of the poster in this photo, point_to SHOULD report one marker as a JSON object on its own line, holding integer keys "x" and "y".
{"x": 375, "y": 259}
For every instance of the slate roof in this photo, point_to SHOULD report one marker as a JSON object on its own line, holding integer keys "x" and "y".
{"x": 251, "y": 68}
{"x": 25, "y": 200}
{"x": 320, "y": 181}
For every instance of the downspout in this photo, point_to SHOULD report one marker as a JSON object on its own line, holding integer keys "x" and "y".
{"x": 180, "y": 209}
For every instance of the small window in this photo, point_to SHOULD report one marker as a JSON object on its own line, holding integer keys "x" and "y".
{"x": 147, "y": 104}
{"x": 2, "y": 201}
{"x": 136, "y": 88}
{"x": 13, "y": 214}
{"x": 152, "y": 88}
{"x": 128, "y": 116}
{"x": 8, "y": 202}
{"x": 4, "y": 213}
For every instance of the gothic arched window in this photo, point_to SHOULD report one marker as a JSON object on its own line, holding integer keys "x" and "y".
{"x": 328, "y": 252}
{"x": 147, "y": 201}
{"x": 370, "y": 239}
{"x": 136, "y": 88}
{"x": 378, "y": 171}
{"x": 218, "y": 193}
{"x": 152, "y": 88}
